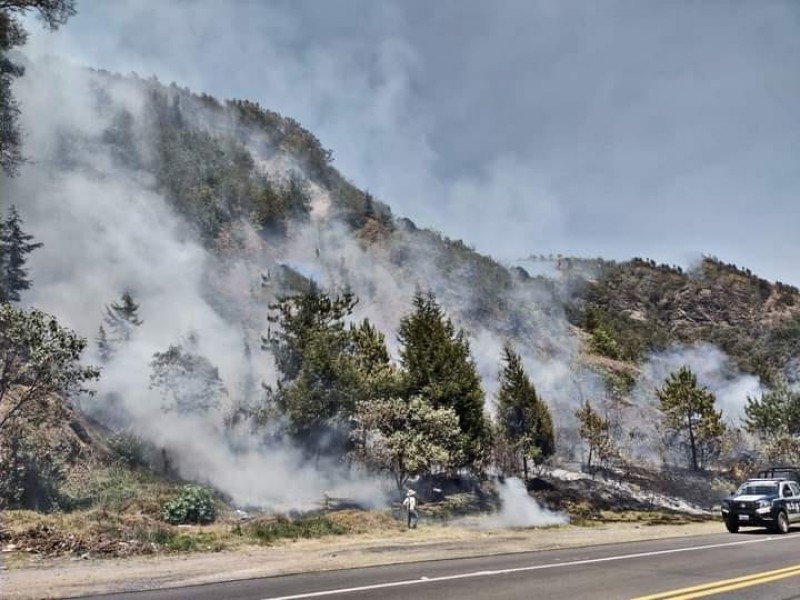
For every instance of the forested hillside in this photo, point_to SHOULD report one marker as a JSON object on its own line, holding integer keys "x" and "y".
{"x": 263, "y": 326}
{"x": 640, "y": 307}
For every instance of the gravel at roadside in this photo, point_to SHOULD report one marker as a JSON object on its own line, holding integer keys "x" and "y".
{"x": 59, "y": 578}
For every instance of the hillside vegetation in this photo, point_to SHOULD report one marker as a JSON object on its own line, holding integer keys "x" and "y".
{"x": 641, "y": 307}
{"x": 298, "y": 337}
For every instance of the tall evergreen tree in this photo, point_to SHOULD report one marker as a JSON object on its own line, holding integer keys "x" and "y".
{"x": 688, "y": 412}
{"x": 319, "y": 384}
{"x": 105, "y": 349}
{"x": 15, "y": 245}
{"x": 438, "y": 367}
{"x": 775, "y": 418}
{"x": 524, "y": 418}
{"x": 775, "y": 413}
{"x": 371, "y": 359}
{"x": 52, "y": 13}
{"x": 121, "y": 319}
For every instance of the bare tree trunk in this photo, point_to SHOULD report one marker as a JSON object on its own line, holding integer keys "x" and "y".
{"x": 692, "y": 445}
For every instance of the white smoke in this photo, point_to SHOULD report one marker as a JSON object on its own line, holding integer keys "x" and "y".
{"x": 714, "y": 370}
{"x": 518, "y": 509}
{"x": 107, "y": 230}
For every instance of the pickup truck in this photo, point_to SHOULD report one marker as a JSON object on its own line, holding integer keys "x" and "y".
{"x": 772, "y": 502}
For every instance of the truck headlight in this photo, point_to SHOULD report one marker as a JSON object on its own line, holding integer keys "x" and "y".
{"x": 764, "y": 504}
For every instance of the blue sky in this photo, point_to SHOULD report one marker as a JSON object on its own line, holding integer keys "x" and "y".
{"x": 615, "y": 129}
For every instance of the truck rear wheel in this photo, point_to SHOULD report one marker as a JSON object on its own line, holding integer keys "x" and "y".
{"x": 732, "y": 526}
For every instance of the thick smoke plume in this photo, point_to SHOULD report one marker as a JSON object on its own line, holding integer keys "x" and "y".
{"x": 107, "y": 230}
{"x": 518, "y": 509}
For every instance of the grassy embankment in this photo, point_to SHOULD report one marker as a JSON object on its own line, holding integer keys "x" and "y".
{"x": 117, "y": 513}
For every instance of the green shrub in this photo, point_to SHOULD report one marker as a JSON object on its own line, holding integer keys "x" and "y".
{"x": 114, "y": 489}
{"x": 604, "y": 343}
{"x": 194, "y": 504}
{"x": 131, "y": 450}
{"x": 30, "y": 472}
{"x": 172, "y": 539}
{"x": 267, "y": 532}
{"x": 182, "y": 543}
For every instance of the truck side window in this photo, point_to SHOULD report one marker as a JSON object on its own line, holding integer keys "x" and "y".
{"x": 794, "y": 490}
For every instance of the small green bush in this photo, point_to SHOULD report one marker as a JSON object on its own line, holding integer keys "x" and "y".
{"x": 31, "y": 473}
{"x": 130, "y": 449}
{"x": 267, "y": 532}
{"x": 194, "y": 504}
{"x": 114, "y": 489}
{"x": 604, "y": 343}
{"x": 182, "y": 543}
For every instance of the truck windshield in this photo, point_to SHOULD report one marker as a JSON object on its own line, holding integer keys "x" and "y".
{"x": 757, "y": 489}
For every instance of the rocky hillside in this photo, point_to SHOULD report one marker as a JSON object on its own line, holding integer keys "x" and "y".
{"x": 638, "y": 305}
{"x": 208, "y": 212}
{"x": 641, "y": 306}
{"x": 233, "y": 168}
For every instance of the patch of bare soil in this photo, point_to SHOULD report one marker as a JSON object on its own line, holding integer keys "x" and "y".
{"x": 35, "y": 577}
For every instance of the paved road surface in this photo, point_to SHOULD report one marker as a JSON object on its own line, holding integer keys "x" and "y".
{"x": 748, "y": 565}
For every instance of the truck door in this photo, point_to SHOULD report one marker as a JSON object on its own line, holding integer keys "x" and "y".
{"x": 792, "y": 502}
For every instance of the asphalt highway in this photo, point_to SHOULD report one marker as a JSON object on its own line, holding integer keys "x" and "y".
{"x": 752, "y": 564}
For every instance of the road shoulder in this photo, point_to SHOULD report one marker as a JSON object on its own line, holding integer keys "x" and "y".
{"x": 59, "y": 578}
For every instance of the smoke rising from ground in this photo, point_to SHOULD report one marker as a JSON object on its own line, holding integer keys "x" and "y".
{"x": 663, "y": 129}
{"x": 714, "y": 371}
{"x": 105, "y": 231}
{"x": 518, "y": 509}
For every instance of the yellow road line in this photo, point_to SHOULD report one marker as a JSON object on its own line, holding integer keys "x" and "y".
{"x": 725, "y": 585}
{"x": 738, "y": 586}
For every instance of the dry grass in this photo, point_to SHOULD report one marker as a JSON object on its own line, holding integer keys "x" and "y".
{"x": 96, "y": 532}
{"x": 122, "y": 517}
{"x": 590, "y": 517}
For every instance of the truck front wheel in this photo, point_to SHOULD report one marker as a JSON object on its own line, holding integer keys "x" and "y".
{"x": 732, "y": 526}
{"x": 782, "y": 523}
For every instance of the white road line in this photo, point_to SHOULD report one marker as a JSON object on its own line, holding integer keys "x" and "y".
{"x": 472, "y": 574}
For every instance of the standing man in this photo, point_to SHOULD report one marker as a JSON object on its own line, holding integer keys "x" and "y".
{"x": 410, "y": 504}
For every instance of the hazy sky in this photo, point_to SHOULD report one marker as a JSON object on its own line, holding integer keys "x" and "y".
{"x": 658, "y": 129}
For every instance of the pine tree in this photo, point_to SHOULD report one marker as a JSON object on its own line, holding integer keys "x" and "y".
{"x": 15, "y": 245}
{"x": 378, "y": 377}
{"x": 105, "y": 349}
{"x": 775, "y": 413}
{"x": 52, "y": 14}
{"x": 775, "y": 419}
{"x": 524, "y": 418}
{"x": 438, "y": 367}
{"x": 121, "y": 318}
{"x": 595, "y": 430}
{"x": 688, "y": 412}
{"x": 369, "y": 206}
{"x": 319, "y": 383}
